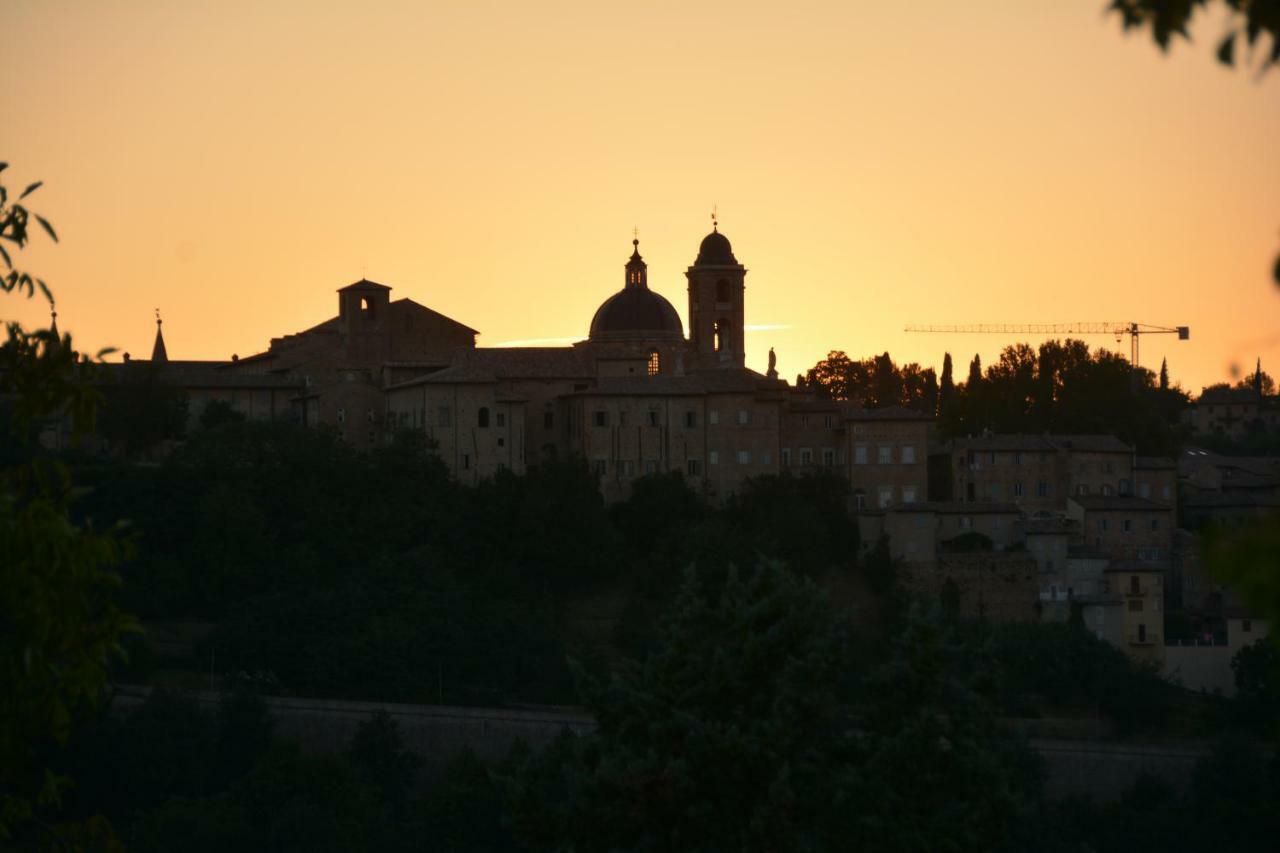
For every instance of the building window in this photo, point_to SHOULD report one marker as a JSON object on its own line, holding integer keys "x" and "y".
{"x": 600, "y": 467}
{"x": 600, "y": 418}
{"x": 1135, "y": 605}
{"x": 766, "y": 458}
{"x": 466, "y": 462}
{"x": 744, "y": 417}
{"x": 908, "y": 494}
{"x": 342, "y": 415}
{"x": 1017, "y": 489}
{"x": 1106, "y": 489}
{"x": 1246, "y": 626}
{"x": 886, "y": 496}
{"x": 744, "y": 457}
{"x": 690, "y": 419}
{"x": 828, "y": 456}
{"x": 1102, "y": 525}
{"x": 654, "y": 365}
{"x": 994, "y": 491}
{"x": 786, "y": 457}
{"x": 502, "y": 442}
{"x": 1148, "y": 555}
{"x": 826, "y": 421}
{"x": 501, "y": 418}
{"x": 1017, "y": 459}
{"x": 1124, "y": 486}
{"x": 908, "y": 455}
{"x": 694, "y": 467}
{"x": 1127, "y": 525}
{"x": 860, "y": 454}
{"x": 806, "y": 456}
{"x": 651, "y": 466}
{"x": 1144, "y": 490}
{"x": 966, "y": 522}
{"x": 622, "y": 418}
{"x": 713, "y": 457}
{"x": 1165, "y": 492}
{"x": 713, "y": 417}
{"x": 653, "y": 417}
{"x": 1082, "y": 489}
{"x": 804, "y": 421}
{"x": 482, "y": 418}
{"x": 548, "y": 420}
{"x": 859, "y": 499}
{"x": 884, "y": 455}
{"x": 444, "y": 416}
{"x": 1155, "y": 524}
{"x": 1042, "y": 489}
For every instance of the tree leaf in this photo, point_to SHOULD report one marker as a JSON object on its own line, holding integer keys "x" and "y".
{"x": 44, "y": 223}
{"x": 1227, "y": 50}
{"x": 44, "y": 288}
{"x": 4, "y": 253}
{"x": 29, "y": 190}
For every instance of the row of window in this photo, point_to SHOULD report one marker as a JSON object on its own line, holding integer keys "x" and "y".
{"x": 1126, "y": 525}
{"x": 653, "y": 418}
{"x": 884, "y": 497}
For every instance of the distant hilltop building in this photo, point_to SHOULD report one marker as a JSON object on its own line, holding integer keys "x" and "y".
{"x": 636, "y": 396}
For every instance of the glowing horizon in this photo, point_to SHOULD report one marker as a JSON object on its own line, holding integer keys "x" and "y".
{"x": 234, "y": 164}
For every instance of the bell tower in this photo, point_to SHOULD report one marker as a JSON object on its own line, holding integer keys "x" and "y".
{"x": 717, "y": 283}
{"x": 364, "y": 310}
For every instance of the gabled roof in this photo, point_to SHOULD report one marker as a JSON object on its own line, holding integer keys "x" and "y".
{"x": 364, "y": 284}
{"x": 419, "y": 306}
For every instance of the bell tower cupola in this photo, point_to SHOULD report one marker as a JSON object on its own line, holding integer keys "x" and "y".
{"x": 717, "y": 283}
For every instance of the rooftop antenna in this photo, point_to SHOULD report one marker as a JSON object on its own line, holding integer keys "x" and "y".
{"x": 158, "y": 320}
{"x": 715, "y": 222}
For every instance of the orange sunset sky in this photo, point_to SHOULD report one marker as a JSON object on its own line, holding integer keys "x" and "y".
{"x": 875, "y": 164}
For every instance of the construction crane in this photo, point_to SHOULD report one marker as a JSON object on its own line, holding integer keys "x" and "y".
{"x": 1133, "y": 330}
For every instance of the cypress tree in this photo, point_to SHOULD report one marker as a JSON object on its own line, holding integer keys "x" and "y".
{"x": 1164, "y": 374}
{"x": 947, "y": 387}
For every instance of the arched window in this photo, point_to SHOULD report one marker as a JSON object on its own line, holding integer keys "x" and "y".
{"x": 366, "y": 307}
{"x": 722, "y": 291}
{"x": 655, "y": 363}
{"x": 484, "y": 416}
{"x": 721, "y": 335}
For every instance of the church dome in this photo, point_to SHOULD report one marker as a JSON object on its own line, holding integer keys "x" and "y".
{"x": 636, "y": 310}
{"x": 715, "y": 251}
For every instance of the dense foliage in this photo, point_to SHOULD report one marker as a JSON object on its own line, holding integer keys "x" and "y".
{"x": 1062, "y": 387}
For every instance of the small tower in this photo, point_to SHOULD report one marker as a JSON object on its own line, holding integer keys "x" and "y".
{"x": 364, "y": 317}
{"x": 158, "y": 352}
{"x": 717, "y": 283}
{"x": 53, "y": 330}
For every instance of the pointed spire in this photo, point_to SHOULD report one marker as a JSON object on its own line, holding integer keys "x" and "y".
{"x": 53, "y": 330}
{"x": 158, "y": 352}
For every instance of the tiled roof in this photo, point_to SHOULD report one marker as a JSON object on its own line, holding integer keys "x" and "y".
{"x": 888, "y": 413}
{"x": 1154, "y": 463}
{"x": 1090, "y": 443}
{"x": 959, "y": 508}
{"x": 1225, "y": 500}
{"x": 1227, "y": 395}
{"x": 1029, "y": 443}
{"x": 1119, "y": 502}
{"x": 204, "y": 374}
{"x": 739, "y": 381}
